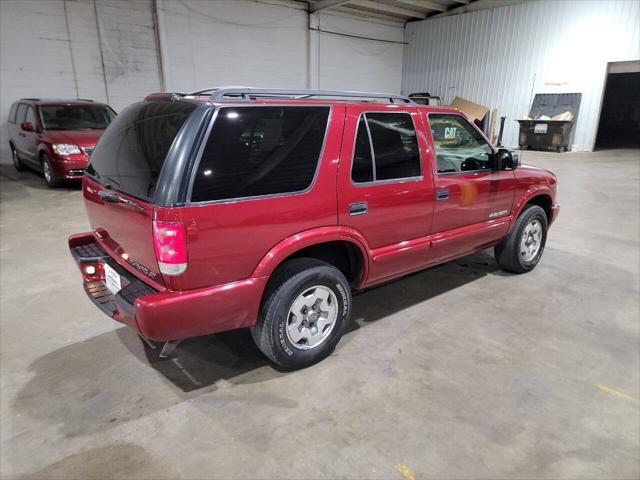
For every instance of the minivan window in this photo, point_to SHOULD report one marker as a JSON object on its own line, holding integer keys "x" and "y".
{"x": 12, "y": 113}
{"x": 132, "y": 151}
{"x": 22, "y": 112}
{"x": 395, "y": 147}
{"x": 30, "y": 118}
{"x": 76, "y": 117}
{"x": 256, "y": 151}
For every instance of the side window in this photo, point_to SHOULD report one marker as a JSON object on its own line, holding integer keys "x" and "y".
{"x": 22, "y": 112}
{"x": 254, "y": 151}
{"x": 30, "y": 117}
{"x": 459, "y": 147}
{"x": 12, "y": 113}
{"x": 362, "y": 168}
{"x": 395, "y": 148}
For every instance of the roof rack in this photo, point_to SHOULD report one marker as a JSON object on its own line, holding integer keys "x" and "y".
{"x": 246, "y": 93}
{"x": 31, "y": 99}
{"x": 85, "y": 99}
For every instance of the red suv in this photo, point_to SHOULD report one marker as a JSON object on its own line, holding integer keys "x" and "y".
{"x": 56, "y": 137}
{"x": 264, "y": 208}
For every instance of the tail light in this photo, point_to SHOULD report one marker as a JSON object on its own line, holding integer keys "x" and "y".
{"x": 170, "y": 243}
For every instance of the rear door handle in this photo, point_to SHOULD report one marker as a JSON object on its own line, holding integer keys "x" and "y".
{"x": 442, "y": 194}
{"x": 359, "y": 208}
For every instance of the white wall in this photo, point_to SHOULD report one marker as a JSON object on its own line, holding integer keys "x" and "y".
{"x": 114, "y": 57}
{"x": 501, "y": 57}
{"x": 230, "y": 42}
{"x": 52, "y": 49}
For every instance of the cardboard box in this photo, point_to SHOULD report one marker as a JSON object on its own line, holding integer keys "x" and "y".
{"x": 472, "y": 110}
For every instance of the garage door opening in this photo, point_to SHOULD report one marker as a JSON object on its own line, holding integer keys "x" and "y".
{"x": 619, "y": 125}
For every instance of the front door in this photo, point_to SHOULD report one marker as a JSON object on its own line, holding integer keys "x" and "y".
{"x": 384, "y": 189}
{"x": 473, "y": 201}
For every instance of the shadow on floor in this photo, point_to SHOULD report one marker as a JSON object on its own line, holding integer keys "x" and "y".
{"x": 13, "y": 181}
{"x": 107, "y": 379}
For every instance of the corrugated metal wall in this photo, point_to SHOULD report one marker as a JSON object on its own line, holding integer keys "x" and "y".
{"x": 501, "y": 57}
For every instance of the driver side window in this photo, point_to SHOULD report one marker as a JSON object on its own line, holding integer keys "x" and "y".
{"x": 459, "y": 147}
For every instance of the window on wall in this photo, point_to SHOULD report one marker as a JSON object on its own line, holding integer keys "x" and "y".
{"x": 255, "y": 151}
{"x": 459, "y": 147}
{"x": 395, "y": 148}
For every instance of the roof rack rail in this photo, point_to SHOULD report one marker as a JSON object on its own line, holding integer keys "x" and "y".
{"x": 85, "y": 99}
{"x": 246, "y": 93}
{"x": 173, "y": 96}
{"x": 32, "y": 99}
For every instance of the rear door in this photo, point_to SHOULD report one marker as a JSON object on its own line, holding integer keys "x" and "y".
{"x": 21, "y": 143}
{"x": 385, "y": 188}
{"x": 31, "y": 138}
{"x": 127, "y": 162}
{"x": 473, "y": 201}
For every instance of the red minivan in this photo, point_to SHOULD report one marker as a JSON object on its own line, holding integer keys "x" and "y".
{"x": 263, "y": 208}
{"x": 56, "y": 137}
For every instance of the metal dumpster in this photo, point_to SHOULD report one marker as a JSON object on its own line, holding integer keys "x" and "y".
{"x": 549, "y": 134}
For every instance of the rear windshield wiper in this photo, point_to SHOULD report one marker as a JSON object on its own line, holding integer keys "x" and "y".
{"x": 115, "y": 198}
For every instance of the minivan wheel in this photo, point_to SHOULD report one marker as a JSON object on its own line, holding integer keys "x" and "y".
{"x": 49, "y": 177}
{"x": 17, "y": 163}
{"x": 305, "y": 310}
{"x": 521, "y": 251}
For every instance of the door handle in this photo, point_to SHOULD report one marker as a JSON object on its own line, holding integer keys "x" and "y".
{"x": 359, "y": 208}
{"x": 442, "y": 194}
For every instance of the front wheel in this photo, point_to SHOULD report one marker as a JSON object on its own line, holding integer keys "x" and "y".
{"x": 17, "y": 163}
{"x": 49, "y": 176}
{"x": 522, "y": 249}
{"x": 306, "y": 309}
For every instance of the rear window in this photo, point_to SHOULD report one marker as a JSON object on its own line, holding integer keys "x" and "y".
{"x": 132, "y": 151}
{"x": 256, "y": 151}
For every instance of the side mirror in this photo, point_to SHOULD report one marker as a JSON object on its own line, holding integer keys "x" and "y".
{"x": 26, "y": 126}
{"x": 506, "y": 160}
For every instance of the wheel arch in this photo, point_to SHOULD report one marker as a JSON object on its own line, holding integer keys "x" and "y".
{"x": 344, "y": 248}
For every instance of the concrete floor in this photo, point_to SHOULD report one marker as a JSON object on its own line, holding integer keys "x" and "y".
{"x": 457, "y": 372}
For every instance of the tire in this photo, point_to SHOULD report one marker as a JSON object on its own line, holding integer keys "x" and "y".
{"x": 517, "y": 254}
{"x": 17, "y": 163}
{"x": 288, "y": 338}
{"x": 49, "y": 176}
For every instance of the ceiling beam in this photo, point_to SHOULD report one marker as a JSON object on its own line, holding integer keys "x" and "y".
{"x": 425, "y": 4}
{"x": 345, "y": 10}
{"x": 325, "y": 4}
{"x": 389, "y": 9}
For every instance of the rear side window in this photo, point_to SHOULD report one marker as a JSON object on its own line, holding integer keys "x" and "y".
{"x": 395, "y": 148}
{"x": 12, "y": 113}
{"x": 22, "y": 112}
{"x": 30, "y": 117}
{"x": 256, "y": 151}
{"x": 132, "y": 151}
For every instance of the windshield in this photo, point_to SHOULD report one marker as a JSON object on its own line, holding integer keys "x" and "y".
{"x": 76, "y": 117}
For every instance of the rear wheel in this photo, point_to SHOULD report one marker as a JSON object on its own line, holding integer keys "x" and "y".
{"x": 49, "y": 177}
{"x": 305, "y": 310}
{"x": 17, "y": 163}
{"x": 521, "y": 251}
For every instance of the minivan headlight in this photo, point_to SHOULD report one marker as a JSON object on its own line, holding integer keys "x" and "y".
{"x": 65, "y": 149}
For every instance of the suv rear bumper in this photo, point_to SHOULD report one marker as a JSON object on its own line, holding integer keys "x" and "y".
{"x": 165, "y": 315}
